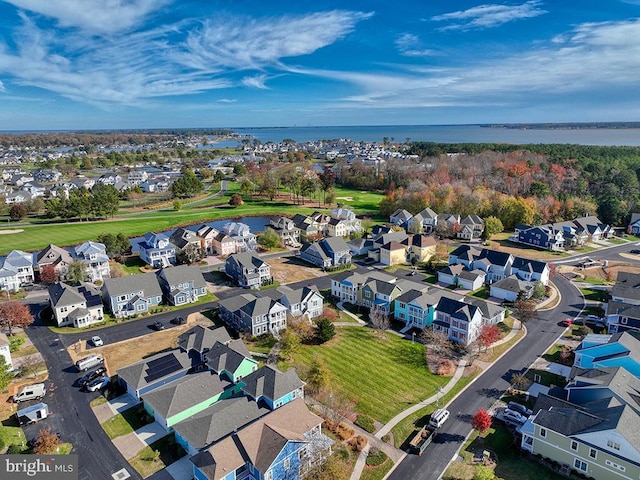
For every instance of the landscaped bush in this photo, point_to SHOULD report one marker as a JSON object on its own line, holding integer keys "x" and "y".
{"x": 15, "y": 449}
{"x": 446, "y": 368}
{"x": 376, "y": 457}
{"x": 15, "y": 342}
{"x": 366, "y": 423}
{"x": 340, "y": 430}
{"x": 358, "y": 443}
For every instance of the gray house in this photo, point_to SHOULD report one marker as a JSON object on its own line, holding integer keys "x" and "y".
{"x": 248, "y": 270}
{"x": 182, "y": 284}
{"x": 255, "y": 315}
{"x": 328, "y": 252}
{"x": 197, "y": 341}
{"x": 132, "y": 295}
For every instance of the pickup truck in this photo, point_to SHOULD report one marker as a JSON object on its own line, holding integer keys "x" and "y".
{"x": 422, "y": 439}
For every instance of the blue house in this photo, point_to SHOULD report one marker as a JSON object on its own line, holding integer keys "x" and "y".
{"x": 415, "y": 308}
{"x": 273, "y": 387}
{"x": 284, "y": 444}
{"x": 156, "y": 250}
{"x": 622, "y": 350}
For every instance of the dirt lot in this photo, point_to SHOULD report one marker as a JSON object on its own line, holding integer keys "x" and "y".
{"x": 291, "y": 270}
{"x": 118, "y": 355}
{"x": 603, "y": 273}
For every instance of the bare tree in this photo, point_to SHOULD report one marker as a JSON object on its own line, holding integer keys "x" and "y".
{"x": 520, "y": 381}
{"x": 436, "y": 341}
{"x": 379, "y": 319}
{"x": 335, "y": 406}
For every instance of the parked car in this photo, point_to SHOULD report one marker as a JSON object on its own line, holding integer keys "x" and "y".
{"x": 635, "y": 250}
{"x": 92, "y": 375}
{"x": 97, "y": 384}
{"x": 518, "y": 407}
{"x": 179, "y": 321}
{"x": 158, "y": 325}
{"x": 513, "y": 417}
{"x": 567, "y": 322}
{"x": 97, "y": 341}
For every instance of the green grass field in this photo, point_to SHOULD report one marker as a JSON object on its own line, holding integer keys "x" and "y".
{"x": 383, "y": 373}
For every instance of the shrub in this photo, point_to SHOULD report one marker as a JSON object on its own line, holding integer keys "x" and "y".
{"x": 15, "y": 343}
{"x": 343, "y": 431}
{"x": 376, "y": 457}
{"x": 366, "y": 423}
{"x": 446, "y": 368}
{"x": 15, "y": 449}
{"x": 358, "y": 443}
{"x": 386, "y": 438}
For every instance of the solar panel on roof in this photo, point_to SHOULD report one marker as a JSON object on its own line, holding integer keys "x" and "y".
{"x": 161, "y": 367}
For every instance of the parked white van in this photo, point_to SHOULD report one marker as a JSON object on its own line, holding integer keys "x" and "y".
{"x": 88, "y": 362}
{"x": 438, "y": 417}
{"x": 30, "y": 392}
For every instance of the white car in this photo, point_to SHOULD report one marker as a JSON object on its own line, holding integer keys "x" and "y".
{"x": 97, "y": 341}
{"x": 97, "y": 384}
{"x": 514, "y": 417}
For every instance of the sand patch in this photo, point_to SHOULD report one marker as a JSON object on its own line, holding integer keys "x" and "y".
{"x": 7, "y": 232}
{"x": 348, "y": 199}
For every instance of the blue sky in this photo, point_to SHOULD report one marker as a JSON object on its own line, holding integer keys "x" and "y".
{"x": 76, "y": 64}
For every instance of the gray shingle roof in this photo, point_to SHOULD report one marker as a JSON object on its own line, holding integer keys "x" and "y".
{"x": 627, "y": 286}
{"x": 200, "y": 338}
{"x": 223, "y": 357}
{"x": 185, "y": 393}
{"x": 270, "y": 382}
{"x": 147, "y": 282}
{"x": 136, "y": 373}
{"x": 183, "y": 274}
{"x": 219, "y": 420}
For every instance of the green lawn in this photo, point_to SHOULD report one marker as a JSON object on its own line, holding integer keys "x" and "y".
{"x": 594, "y": 295}
{"x": 124, "y": 423}
{"x": 510, "y": 463}
{"x": 547, "y": 378}
{"x": 145, "y": 462}
{"x": 358, "y": 200}
{"x": 382, "y": 372}
{"x": 261, "y": 344}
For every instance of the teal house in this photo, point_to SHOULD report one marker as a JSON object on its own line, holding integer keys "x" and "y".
{"x": 232, "y": 361}
{"x": 621, "y": 350}
{"x": 273, "y": 387}
{"x": 416, "y": 309}
{"x": 187, "y": 396}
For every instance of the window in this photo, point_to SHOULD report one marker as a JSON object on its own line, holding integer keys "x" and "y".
{"x": 574, "y": 445}
{"x": 543, "y": 432}
{"x": 623, "y": 320}
{"x": 593, "y": 453}
{"x": 302, "y": 453}
{"x": 287, "y": 463}
{"x": 580, "y": 465}
{"x": 612, "y": 444}
{"x": 268, "y": 475}
{"x": 615, "y": 465}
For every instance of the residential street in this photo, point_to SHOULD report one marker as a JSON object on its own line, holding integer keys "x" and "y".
{"x": 99, "y": 459}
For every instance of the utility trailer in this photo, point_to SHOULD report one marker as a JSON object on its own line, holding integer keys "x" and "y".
{"x": 422, "y": 439}
{"x": 33, "y": 414}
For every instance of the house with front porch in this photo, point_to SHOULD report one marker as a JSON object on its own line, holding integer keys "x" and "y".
{"x": 510, "y": 289}
{"x": 305, "y": 302}
{"x": 460, "y": 321}
{"x": 94, "y": 256}
{"x": 424, "y": 221}
{"x": 393, "y": 253}
{"x": 343, "y": 223}
{"x": 182, "y": 284}
{"x": 378, "y": 295}
{"x": 415, "y": 308}
{"x": 241, "y": 233}
{"x": 421, "y": 247}
{"x": 286, "y": 230}
{"x": 248, "y": 270}
{"x": 543, "y": 236}
{"x": 596, "y": 229}
{"x": 59, "y": 258}
{"x": 471, "y": 227}
{"x": 253, "y": 315}
{"x": 16, "y": 269}
{"x": 273, "y": 387}
{"x": 132, "y": 294}
{"x": 79, "y": 306}
{"x": 156, "y": 250}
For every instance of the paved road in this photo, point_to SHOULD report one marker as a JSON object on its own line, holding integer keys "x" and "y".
{"x": 542, "y": 332}
{"x": 71, "y": 414}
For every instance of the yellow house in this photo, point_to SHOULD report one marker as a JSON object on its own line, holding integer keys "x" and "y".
{"x": 393, "y": 253}
{"x": 422, "y": 247}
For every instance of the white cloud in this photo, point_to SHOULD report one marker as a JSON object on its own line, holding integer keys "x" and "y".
{"x": 247, "y": 43}
{"x": 104, "y": 16}
{"x": 140, "y": 65}
{"x": 2, "y": 89}
{"x": 489, "y": 15}
{"x": 596, "y": 60}
{"x": 410, "y": 45}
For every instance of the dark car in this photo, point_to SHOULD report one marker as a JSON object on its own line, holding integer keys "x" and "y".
{"x": 179, "y": 321}
{"x": 518, "y": 407}
{"x": 158, "y": 325}
{"x": 635, "y": 250}
{"x": 90, "y": 376}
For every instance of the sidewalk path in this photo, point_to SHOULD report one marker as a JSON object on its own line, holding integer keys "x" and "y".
{"x": 340, "y": 306}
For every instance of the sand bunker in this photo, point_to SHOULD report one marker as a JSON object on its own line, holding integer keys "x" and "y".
{"x": 7, "y": 232}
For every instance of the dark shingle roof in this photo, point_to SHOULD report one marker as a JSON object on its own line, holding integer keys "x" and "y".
{"x": 200, "y": 338}
{"x": 137, "y": 374}
{"x": 225, "y": 357}
{"x": 270, "y": 382}
{"x": 147, "y": 282}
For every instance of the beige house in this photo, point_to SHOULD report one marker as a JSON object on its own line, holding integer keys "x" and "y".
{"x": 421, "y": 247}
{"x": 393, "y": 253}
